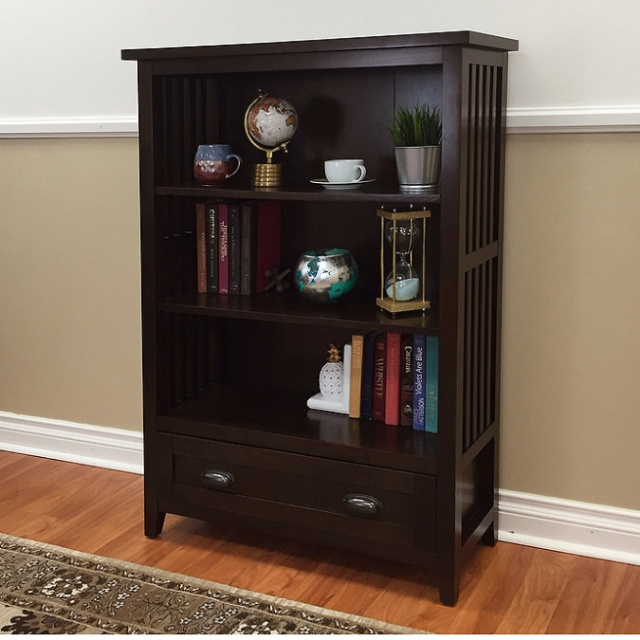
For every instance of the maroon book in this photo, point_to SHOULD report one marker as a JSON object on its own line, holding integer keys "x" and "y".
{"x": 379, "y": 370}
{"x": 268, "y": 243}
{"x": 223, "y": 248}
{"x": 392, "y": 382}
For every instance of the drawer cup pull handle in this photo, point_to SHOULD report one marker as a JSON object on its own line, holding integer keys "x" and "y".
{"x": 360, "y": 504}
{"x": 217, "y": 479}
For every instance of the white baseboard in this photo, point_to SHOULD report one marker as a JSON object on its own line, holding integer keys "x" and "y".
{"x": 72, "y": 442}
{"x": 579, "y": 528}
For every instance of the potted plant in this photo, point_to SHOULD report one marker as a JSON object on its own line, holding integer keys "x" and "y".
{"x": 417, "y": 136}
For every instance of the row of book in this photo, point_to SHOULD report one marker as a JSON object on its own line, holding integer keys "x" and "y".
{"x": 238, "y": 245}
{"x": 394, "y": 379}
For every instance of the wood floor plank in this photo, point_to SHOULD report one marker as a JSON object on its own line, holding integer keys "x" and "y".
{"x": 537, "y": 599}
{"x": 505, "y": 589}
{"x": 590, "y": 597}
{"x": 487, "y": 604}
{"x": 625, "y": 616}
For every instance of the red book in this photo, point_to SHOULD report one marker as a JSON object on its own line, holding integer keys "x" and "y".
{"x": 379, "y": 370}
{"x": 201, "y": 244}
{"x": 268, "y": 243}
{"x": 392, "y": 382}
{"x": 223, "y": 248}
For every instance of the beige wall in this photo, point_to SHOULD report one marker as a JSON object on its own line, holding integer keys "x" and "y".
{"x": 571, "y": 346}
{"x": 69, "y": 327}
{"x": 69, "y": 281}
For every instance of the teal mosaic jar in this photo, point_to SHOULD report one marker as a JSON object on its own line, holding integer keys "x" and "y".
{"x": 324, "y": 276}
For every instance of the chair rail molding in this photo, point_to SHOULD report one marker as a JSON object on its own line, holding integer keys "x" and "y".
{"x": 591, "y": 119}
{"x": 69, "y": 127}
{"x": 604, "y": 119}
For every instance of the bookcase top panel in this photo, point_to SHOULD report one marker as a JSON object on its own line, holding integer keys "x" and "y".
{"x": 389, "y": 42}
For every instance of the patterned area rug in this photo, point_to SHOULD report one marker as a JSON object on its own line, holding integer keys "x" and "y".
{"x": 48, "y": 589}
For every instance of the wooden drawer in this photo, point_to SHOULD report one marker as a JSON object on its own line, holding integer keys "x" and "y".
{"x": 344, "y": 501}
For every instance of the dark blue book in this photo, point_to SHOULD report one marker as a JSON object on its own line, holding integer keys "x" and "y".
{"x": 366, "y": 406}
{"x": 431, "y": 385}
{"x": 248, "y": 247}
{"x": 419, "y": 347}
{"x": 406, "y": 380}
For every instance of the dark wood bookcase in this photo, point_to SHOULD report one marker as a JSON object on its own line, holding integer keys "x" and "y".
{"x": 226, "y": 377}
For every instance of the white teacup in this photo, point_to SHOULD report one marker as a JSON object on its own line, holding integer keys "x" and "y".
{"x": 344, "y": 170}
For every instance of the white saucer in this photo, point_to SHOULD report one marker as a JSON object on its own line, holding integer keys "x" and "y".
{"x": 340, "y": 185}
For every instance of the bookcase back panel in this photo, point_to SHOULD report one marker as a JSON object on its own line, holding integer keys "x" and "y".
{"x": 190, "y": 356}
{"x": 175, "y": 246}
{"x": 326, "y": 225}
{"x": 186, "y": 115}
{"x": 270, "y": 354}
{"x": 342, "y": 113}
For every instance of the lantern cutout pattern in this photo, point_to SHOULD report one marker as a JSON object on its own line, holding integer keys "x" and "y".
{"x": 334, "y": 381}
{"x": 331, "y": 376}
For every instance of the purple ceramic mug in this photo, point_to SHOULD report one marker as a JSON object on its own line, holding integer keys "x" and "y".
{"x": 215, "y": 163}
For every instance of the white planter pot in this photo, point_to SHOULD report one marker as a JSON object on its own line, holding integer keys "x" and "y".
{"x": 418, "y": 167}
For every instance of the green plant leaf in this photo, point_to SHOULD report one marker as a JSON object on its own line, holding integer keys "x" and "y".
{"x": 416, "y": 127}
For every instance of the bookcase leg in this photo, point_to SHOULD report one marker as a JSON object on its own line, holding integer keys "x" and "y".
{"x": 153, "y": 522}
{"x": 489, "y": 536}
{"x": 449, "y": 588}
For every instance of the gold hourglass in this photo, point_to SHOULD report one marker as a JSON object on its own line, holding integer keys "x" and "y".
{"x": 402, "y": 286}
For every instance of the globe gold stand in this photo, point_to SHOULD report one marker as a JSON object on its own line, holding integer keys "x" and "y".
{"x": 265, "y": 174}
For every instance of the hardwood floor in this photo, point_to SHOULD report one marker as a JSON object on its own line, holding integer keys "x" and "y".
{"x": 507, "y": 589}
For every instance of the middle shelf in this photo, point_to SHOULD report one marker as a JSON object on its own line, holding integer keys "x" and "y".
{"x": 357, "y": 311}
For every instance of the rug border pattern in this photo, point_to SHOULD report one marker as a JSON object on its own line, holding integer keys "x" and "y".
{"x": 181, "y": 583}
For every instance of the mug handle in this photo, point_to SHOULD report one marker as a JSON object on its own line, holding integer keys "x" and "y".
{"x": 363, "y": 172}
{"x": 238, "y": 159}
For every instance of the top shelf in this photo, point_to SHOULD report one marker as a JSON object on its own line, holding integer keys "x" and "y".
{"x": 300, "y": 191}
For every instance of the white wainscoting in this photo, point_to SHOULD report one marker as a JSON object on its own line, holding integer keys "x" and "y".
{"x": 549, "y": 523}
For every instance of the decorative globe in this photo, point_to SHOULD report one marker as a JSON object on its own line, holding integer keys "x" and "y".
{"x": 325, "y": 275}
{"x": 271, "y": 121}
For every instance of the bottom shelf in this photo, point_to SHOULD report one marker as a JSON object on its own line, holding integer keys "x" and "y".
{"x": 280, "y": 419}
